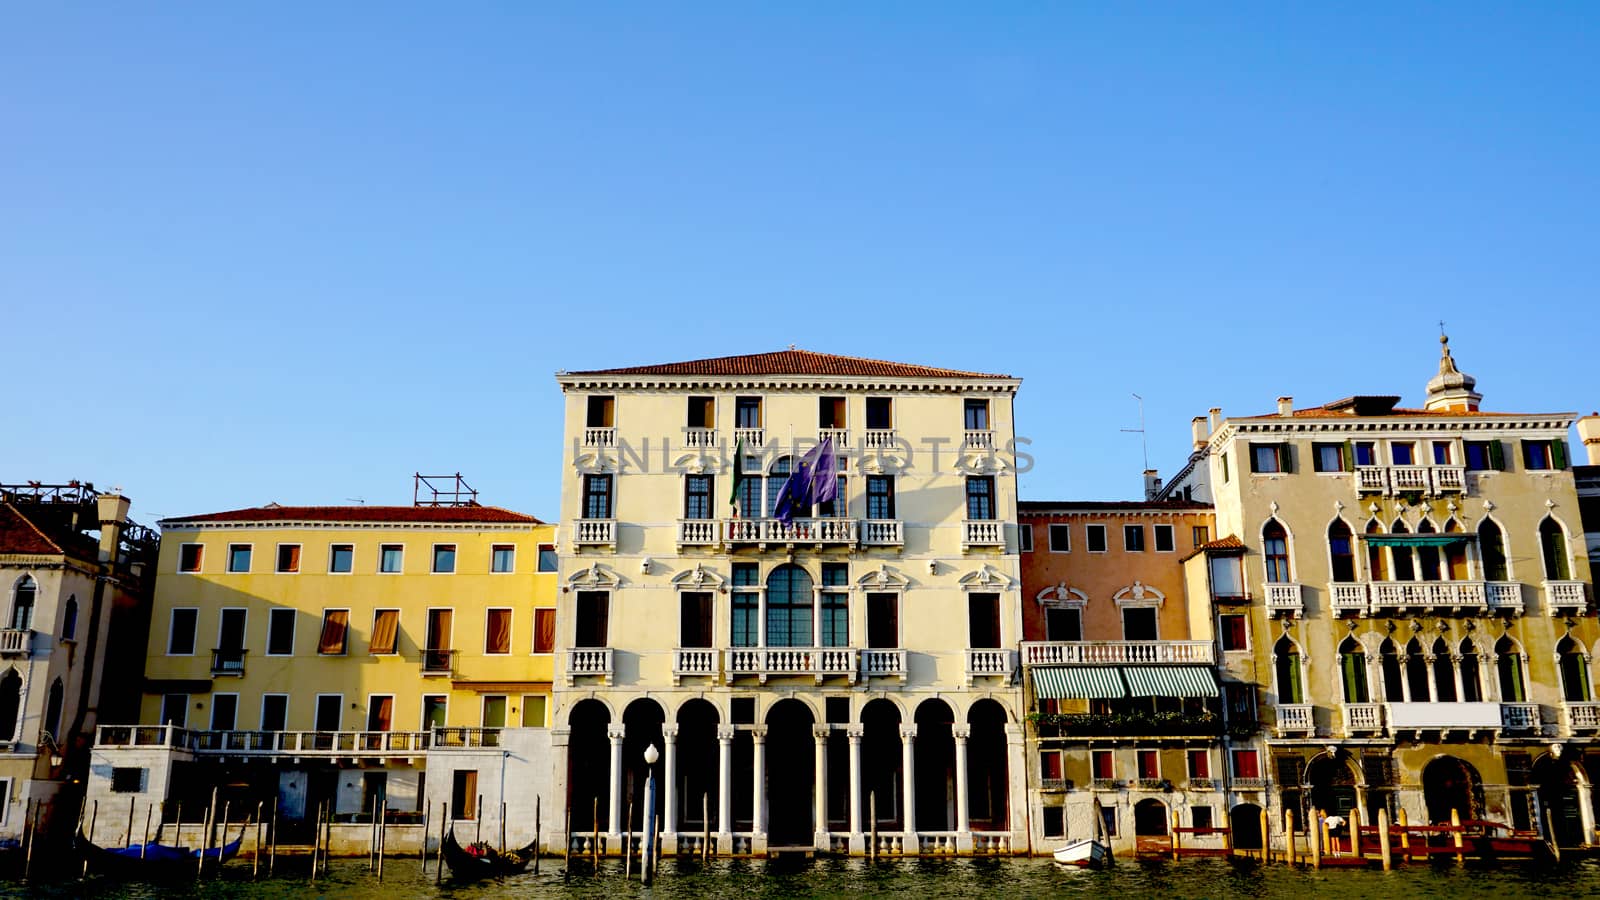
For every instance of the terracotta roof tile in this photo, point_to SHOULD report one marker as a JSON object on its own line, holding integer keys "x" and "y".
{"x": 1049, "y": 506}
{"x": 791, "y": 362}
{"x": 19, "y": 535}
{"x": 481, "y": 515}
{"x": 1228, "y": 544}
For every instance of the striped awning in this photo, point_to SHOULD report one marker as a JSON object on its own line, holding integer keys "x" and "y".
{"x": 1417, "y": 540}
{"x": 1170, "y": 681}
{"x": 1077, "y": 683}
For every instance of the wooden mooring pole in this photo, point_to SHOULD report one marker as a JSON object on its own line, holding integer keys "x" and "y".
{"x": 272, "y": 836}
{"x": 1405, "y": 835}
{"x": 627, "y": 843}
{"x": 1455, "y": 834}
{"x": 145, "y": 844}
{"x": 1291, "y": 853}
{"x": 1266, "y": 837}
{"x": 1314, "y": 837}
{"x": 438, "y": 864}
{"x": 538, "y": 822}
{"x": 1383, "y": 839}
{"x": 255, "y": 858}
{"x": 427, "y": 815}
{"x": 383, "y": 836}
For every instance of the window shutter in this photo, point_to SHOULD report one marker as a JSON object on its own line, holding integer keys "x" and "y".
{"x": 1286, "y": 458}
{"x": 1558, "y": 454}
{"x": 1251, "y": 449}
{"x": 1497, "y": 456}
{"x": 1349, "y": 460}
{"x": 1527, "y": 454}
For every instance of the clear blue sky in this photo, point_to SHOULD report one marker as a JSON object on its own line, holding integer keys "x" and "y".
{"x": 294, "y": 252}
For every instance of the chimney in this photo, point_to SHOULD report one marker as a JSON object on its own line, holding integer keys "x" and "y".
{"x": 1197, "y": 425}
{"x": 1216, "y": 418}
{"x": 113, "y": 509}
{"x": 1152, "y": 484}
{"x": 1286, "y": 406}
{"x": 1589, "y": 435}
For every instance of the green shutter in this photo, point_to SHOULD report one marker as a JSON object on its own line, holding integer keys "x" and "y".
{"x": 1286, "y": 459}
{"x": 1348, "y": 462}
{"x": 1558, "y": 453}
{"x": 1497, "y": 456}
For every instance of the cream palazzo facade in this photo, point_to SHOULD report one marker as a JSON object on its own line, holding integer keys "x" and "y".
{"x": 798, "y": 678}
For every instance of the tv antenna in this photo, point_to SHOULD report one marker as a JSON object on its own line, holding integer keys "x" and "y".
{"x": 1144, "y": 443}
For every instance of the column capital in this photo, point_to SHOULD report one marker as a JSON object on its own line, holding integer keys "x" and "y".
{"x": 725, "y": 733}
{"x": 961, "y": 733}
{"x": 821, "y": 732}
{"x": 669, "y": 732}
{"x": 855, "y": 733}
{"x": 759, "y": 733}
{"x": 908, "y": 732}
{"x": 616, "y": 733}
{"x": 1014, "y": 734}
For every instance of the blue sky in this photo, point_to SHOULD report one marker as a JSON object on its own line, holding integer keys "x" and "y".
{"x": 295, "y": 252}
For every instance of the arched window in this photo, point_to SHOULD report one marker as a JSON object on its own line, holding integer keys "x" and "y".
{"x": 1508, "y": 669}
{"x": 52, "y": 708}
{"x": 22, "y": 603}
{"x": 1444, "y": 672}
{"x": 69, "y": 619}
{"x": 1492, "y": 547}
{"x": 789, "y": 603}
{"x": 1427, "y": 557}
{"x": 1353, "y": 669}
{"x": 1574, "y": 666}
{"x": 1553, "y": 545}
{"x": 10, "y": 704}
{"x": 1341, "y": 548}
{"x": 1275, "y": 547}
{"x": 1393, "y": 673}
{"x": 776, "y": 476}
{"x": 1471, "y": 683}
{"x": 1455, "y": 555}
{"x": 1404, "y": 565}
{"x": 1417, "y": 673}
{"x": 1287, "y": 660}
{"x": 1377, "y": 560}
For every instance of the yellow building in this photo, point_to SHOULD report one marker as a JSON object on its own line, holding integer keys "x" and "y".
{"x": 311, "y": 655}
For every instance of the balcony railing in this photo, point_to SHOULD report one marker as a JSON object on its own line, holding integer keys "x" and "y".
{"x": 310, "y": 743}
{"x": 980, "y": 439}
{"x": 840, "y": 436}
{"x": 1418, "y": 716}
{"x": 983, "y": 533}
{"x": 1503, "y": 596}
{"x": 1581, "y": 716}
{"x": 879, "y": 439}
{"x": 465, "y": 738}
{"x": 1350, "y": 598}
{"x": 1563, "y": 596}
{"x": 1285, "y": 599}
{"x": 768, "y": 662}
{"x": 599, "y": 437}
{"x": 883, "y": 663}
{"x": 1363, "y": 718}
{"x": 594, "y": 532}
{"x": 1392, "y": 480}
{"x": 438, "y": 661}
{"x": 16, "y": 641}
{"x": 699, "y": 532}
{"x": 1520, "y": 717}
{"x": 1295, "y": 718}
{"x": 141, "y": 736}
{"x": 699, "y": 437}
{"x": 228, "y": 661}
{"x": 1249, "y": 784}
{"x": 1420, "y": 595}
{"x": 752, "y": 438}
{"x": 796, "y": 531}
{"x": 688, "y": 662}
{"x": 987, "y": 663}
{"x": 1066, "y": 653}
{"x": 589, "y": 661}
{"x": 1129, "y": 724}
{"x": 882, "y": 533}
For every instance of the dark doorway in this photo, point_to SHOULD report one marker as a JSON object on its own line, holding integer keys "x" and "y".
{"x": 589, "y": 765}
{"x": 880, "y": 765}
{"x": 698, "y": 761}
{"x": 935, "y": 760}
{"x": 641, "y": 723}
{"x": 1150, "y": 818}
{"x": 791, "y": 772}
{"x": 1451, "y": 784}
{"x": 1245, "y": 822}
{"x": 1558, "y": 801}
{"x": 1333, "y": 787}
{"x": 988, "y": 778}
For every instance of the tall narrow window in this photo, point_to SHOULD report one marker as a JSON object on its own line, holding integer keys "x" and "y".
{"x": 57, "y": 698}
{"x": 980, "y": 497}
{"x": 1444, "y": 672}
{"x": 745, "y": 611}
{"x": 694, "y": 627}
{"x": 1508, "y": 670}
{"x": 830, "y": 412}
{"x": 174, "y": 709}
{"x": 274, "y": 712}
{"x": 330, "y": 708}
{"x": 1063, "y": 623}
{"x": 1353, "y": 668}
{"x": 1417, "y": 673}
{"x": 1427, "y": 557}
{"x": 69, "y": 619}
{"x": 1405, "y": 568}
{"x": 1471, "y": 681}
{"x": 434, "y": 707}
{"x": 1286, "y": 655}
{"x": 593, "y": 613}
{"x": 335, "y": 632}
{"x": 1275, "y": 548}
{"x": 983, "y": 620}
{"x": 544, "y": 630}
{"x": 601, "y": 412}
{"x": 776, "y": 476}
{"x": 494, "y": 711}
{"x": 1455, "y": 554}
{"x": 883, "y": 621}
{"x": 497, "y": 631}
{"x": 180, "y": 635}
{"x": 1394, "y": 677}
{"x": 280, "y": 631}
{"x": 1575, "y": 687}
{"x": 834, "y": 626}
{"x": 22, "y": 603}
{"x": 1341, "y": 550}
{"x": 385, "y": 632}
{"x": 880, "y": 497}
{"x": 1094, "y": 538}
{"x": 747, "y": 412}
{"x": 789, "y": 602}
{"x": 976, "y": 415}
{"x": 697, "y": 491}
{"x": 880, "y": 415}
{"x": 1492, "y": 547}
{"x": 436, "y": 656}
{"x": 380, "y": 712}
{"x": 597, "y": 496}
{"x": 464, "y": 793}
{"x": 391, "y": 558}
{"x": 702, "y": 412}
{"x": 839, "y": 506}
{"x": 1133, "y": 538}
{"x": 1553, "y": 547}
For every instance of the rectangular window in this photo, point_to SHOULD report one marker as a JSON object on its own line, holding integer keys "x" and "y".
{"x": 1200, "y": 816}
{"x": 1094, "y": 538}
{"x": 239, "y": 557}
{"x": 124, "y": 780}
{"x": 1139, "y": 623}
{"x": 883, "y": 621}
{"x": 1246, "y": 764}
{"x": 880, "y": 413}
{"x": 175, "y": 710}
{"x": 980, "y": 497}
{"x": 494, "y": 711}
{"x": 1050, "y": 765}
{"x": 1403, "y": 453}
{"x": 533, "y": 710}
{"x": 497, "y": 631}
{"x": 288, "y": 559}
{"x": 280, "y": 631}
{"x": 1484, "y": 456}
{"x": 502, "y": 558}
{"x": 983, "y": 620}
{"x": 835, "y": 623}
{"x": 1063, "y": 624}
{"x": 181, "y": 633}
{"x": 274, "y": 712}
{"x": 380, "y": 712}
{"x": 697, "y": 491}
{"x": 1060, "y": 538}
{"x": 433, "y": 711}
{"x": 830, "y": 412}
{"x": 1133, "y": 538}
{"x": 464, "y": 793}
{"x": 1199, "y": 764}
{"x": 745, "y": 614}
{"x": 1149, "y": 765}
{"x": 694, "y": 619}
{"x": 1543, "y": 455}
{"x": 747, "y": 412}
{"x": 702, "y": 412}
{"x": 976, "y": 415}
{"x": 1055, "y": 822}
{"x": 597, "y": 496}
{"x": 839, "y": 506}
{"x": 548, "y": 561}
{"x": 330, "y": 708}
{"x": 1165, "y": 542}
{"x": 438, "y": 652}
{"x": 1103, "y": 764}
{"x": 1327, "y": 457}
{"x": 1235, "y": 633}
{"x": 444, "y": 559}
{"x": 1442, "y": 454}
{"x": 1366, "y": 453}
{"x": 335, "y": 632}
{"x": 1227, "y": 577}
{"x": 385, "y": 632}
{"x": 1108, "y": 820}
{"x": 1200, "y": 534}
{"x": 593, "y": 609}
{"x": 224, "y": 712}
{"x": 601, "y": 412}
{"x": 190, "y": 557}
{"x": 1267, "y": 459}
{"x": 1225, "y": 475}
{"x": 341, "y": 558}
{"x": 1025, "y": 538}
{"x": 880, "y": 497}
{"x": 391, "y": 558}
{"x": 544, "y": 631}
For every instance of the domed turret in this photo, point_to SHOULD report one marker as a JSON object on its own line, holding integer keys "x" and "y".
{"x": 1451, "y": 389}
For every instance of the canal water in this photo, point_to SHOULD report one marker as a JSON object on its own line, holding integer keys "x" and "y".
{"x": 918, "y": 878}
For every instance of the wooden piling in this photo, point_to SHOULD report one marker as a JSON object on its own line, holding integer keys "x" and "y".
{"x": 1383, "y": 839}
{"x": 1314, "y": 837}
{"x": 1455, "y": 834}
{"x": 502, "y": 826}
{"x": 226, "y": 806}
{"x": 1405, "y": 834}
{"x": 383, "y": 836}
{"x": 1291, "y": 854}
{"x": 566, "y": 855}
{"x": 1328, "y": 849}
{"x": 538, "y": 815}
{"x": 327, "y": 837}
{"x": 30, "y": 824}
{"x": 145, "y": 844}
{"x": 594, "y": 843}
{"x": 372, "y": 836}
{"x": 272, "y": 835}
{"x": 94, "y": 814}
{"x": 477, "y": 815}
{"x": 872, "y": 813}
{"x": 205, "y": 836}
{"x": 627, "y": 843}
{"x": 1266, "y": 837}
{"x": 1173, "y": 841}
{"x": 705, "y": 822}
{"x": 316, "y": 843}
{"x": 255, "y": 858}
{"x": 438, "y": 864}
{"x": 128, "y": 842}
{"x": 427, "y": 817}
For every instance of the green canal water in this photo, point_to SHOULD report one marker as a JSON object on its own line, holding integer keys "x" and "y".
{"x": 905, "y": 878}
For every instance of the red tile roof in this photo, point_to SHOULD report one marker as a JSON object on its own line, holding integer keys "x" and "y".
{"x": 1224, "y": 545}
{"x": 792, "y": 362}
{"x": 1348, "y": 406}
{"x": 1049, "y": 506}
{"x": 477, "y": 515}
{"x": 19, "y": 535}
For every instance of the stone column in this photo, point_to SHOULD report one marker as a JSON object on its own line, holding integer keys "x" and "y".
{"x": 558, "y": 839}
{"x": 669, "y": 789}
{"x": 819, "y": 790}
{"x": 1017, "y": 795}
{"x": 908, "y": 784}
{"x": 857, "y": 841}
{"x": 614, "y": 795}
{"x": 1455, "y": 659}
{"x": 758, "y": 796}
{"x": 761, "y": 620}
{"x": 816, "y": 619}
{"x": 963, "y": 824}
{"x": 725, "y": 789}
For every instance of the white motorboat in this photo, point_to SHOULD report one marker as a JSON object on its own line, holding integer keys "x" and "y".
{"x": 1087, "y": 852}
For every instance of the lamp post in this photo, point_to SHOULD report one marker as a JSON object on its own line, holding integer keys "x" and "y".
{"x": 646, "y": 870}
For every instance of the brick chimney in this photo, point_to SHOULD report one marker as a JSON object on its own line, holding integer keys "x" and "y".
{"x": 1286, "y": 406}
{"x": 113, "y": 509}
{"x": 1152, "y": 484}
{"x": 1197, "y": 426}
{"x": 1589, "y": 435}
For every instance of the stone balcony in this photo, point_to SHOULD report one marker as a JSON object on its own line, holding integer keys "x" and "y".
{"x": 695, "y": 662}
{"x": 268, "y": 743}
{"x": 882, "y": 533}
{"x": 879, "y": 439}
{"x": 600, "y": 437}
{"x": 594, "y": 532}
{"x": 699, "y": 532}
{"x": 819, "y": 663}
{"x": 590, "y": 662}
{"x": 1565, "y": 598}
{"x": 1580, "y": 716}
{"x": 820, "y": 532}
{"x": 1099, "y": 653}
{"x": 982, "y": 533}
{"x": 881, "y": 663}
{"x": 16, "y": 641}
{"x": 228, "y": 661}
{"x": 751, "y": 438}
{"x": 1295, "y": 718}
{"x": 1401, "y": 598}
{"x": 1362, "y": 718}
{"x": 990, "y": 663}
{"x": 1285, "y": 599}
{"x": 1396, "y": 480}
{"x": 699, "y": 438}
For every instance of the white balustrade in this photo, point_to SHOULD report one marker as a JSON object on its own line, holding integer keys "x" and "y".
{"x": 983, "y": 533}
{"x": 879, "y": 439}
{"x": 695, "y": 438}
{"x": 882, "y": 533}
{"x": 1350, "y": 598}
{"x": 1563, "y": 595}
{"x": 1582, "y": 716}
{"x": 767, "y": 662}
{"x": 15, "y": 641}
{"x": 1449, "y": 480}
{"x": 1520, "y": 716}
{"x": 693, "y": 661}
{"x": 978, "y": 439}
{"x": 1504, "y": 596}
{"x": 589, "y": 661}
{"x": 1429, "y": 594}
{"x": 594, "y": 531}
{"x": 796, "y": 531}
{"x": 840, "y": 436}
{"x": 751, "y": 438}
{"x": 1058, "y": 653}
{"x": 1295, "y": 717}
{"x": 1362, "y": 717}
{"x": 600, "y": 437}
{"x": 1411, "y": 479}
{"x": 1285, "y": 598}
{"x": 883, "y": 663}
{"x": 986, "y": 663}
{"x": 698, "y": 532}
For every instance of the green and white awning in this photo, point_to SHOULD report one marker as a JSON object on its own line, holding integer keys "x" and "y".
{"x": 1416, "y": 540}
{"x": 1077, "y": 683}
{"x": 1170, "y": 681}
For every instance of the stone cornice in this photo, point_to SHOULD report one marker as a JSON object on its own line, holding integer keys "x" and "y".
{"x": 791, "y": 383}
{"x": 1378, "y": 426}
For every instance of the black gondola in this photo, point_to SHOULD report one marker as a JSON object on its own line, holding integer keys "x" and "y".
{"x": 152, "y": 861}
{"x": 487, "y": 863}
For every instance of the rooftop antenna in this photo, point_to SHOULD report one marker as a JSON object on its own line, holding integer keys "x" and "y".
{"x": 1144, "y": 442}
